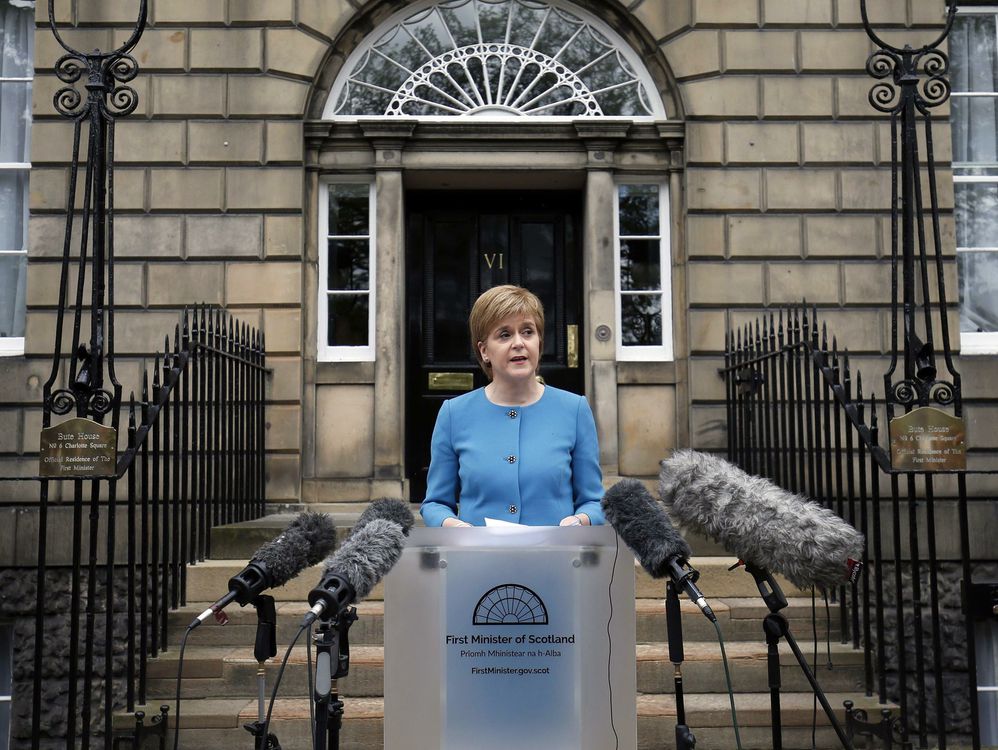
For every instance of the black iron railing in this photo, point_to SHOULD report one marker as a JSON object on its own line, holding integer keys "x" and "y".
{"x": 798, "y": 414}
{"x": 194, "y": 459}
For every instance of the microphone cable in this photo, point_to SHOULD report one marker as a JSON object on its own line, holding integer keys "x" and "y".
{"x": 277, "y": 680}
{"x": 180, "y": 674}
{"x": 609, "y": 639}
{"x": 731, "y": 690}
{"x": 311, "y": 686}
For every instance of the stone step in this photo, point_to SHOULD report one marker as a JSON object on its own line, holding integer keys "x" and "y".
{"x": 218, "y": 721}
{"x": 740, "y": 620}
{"x": 221, "y": 672}
{"x": 208, "y": 580}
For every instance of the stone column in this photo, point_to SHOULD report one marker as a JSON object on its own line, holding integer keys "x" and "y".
{"x": 598, "y": 272}
{"x": 389, "y": 365}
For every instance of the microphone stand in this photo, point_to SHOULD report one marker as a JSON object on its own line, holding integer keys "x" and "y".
{"x": 331, "y": 637}
{"x": 265, "y": 648}
{"x": 674, "y": 622}
{"x": 775, "y": 626}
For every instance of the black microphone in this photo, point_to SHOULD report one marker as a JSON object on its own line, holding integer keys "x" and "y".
{"x": 356, "y": 567}
{"x": 764, "y": 525}
{"x": 388, "y": 508}
{"x": 647, "y": 530}
{"x": 306, "y": 540}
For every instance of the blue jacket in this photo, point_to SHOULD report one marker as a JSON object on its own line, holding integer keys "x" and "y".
{"x": 532, "y": 465}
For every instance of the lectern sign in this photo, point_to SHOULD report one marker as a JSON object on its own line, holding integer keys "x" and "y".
{"x": 928, "y": 439}
{"x": 78, "y": 449}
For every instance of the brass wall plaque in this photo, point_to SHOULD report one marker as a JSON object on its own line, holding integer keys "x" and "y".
{"x": 451, "y": 381}
{"x": 78, "y": 448}
{"x": 928, "y": 439}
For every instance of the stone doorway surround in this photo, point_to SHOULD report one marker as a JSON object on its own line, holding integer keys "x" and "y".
{"x": 352, "y": 446}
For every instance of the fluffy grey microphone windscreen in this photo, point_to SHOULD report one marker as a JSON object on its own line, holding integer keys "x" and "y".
{"x": 758, "y": 521}
{"x": 365, "y": 557}
{"x": 305, "y": 542}
{"x": 644, "y": 526}
{"x": 390, "y": 509}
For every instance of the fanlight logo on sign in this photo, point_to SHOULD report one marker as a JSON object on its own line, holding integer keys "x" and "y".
{"x": 510, "y": 604}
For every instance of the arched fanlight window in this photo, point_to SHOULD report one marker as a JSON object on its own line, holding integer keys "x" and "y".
{"x": 494, "y": 58}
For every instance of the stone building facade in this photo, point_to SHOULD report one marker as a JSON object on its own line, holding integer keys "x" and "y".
{"x": 773, "y": 187}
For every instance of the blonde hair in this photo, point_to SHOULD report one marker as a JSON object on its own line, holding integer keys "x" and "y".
{"x": 494, "y": 306}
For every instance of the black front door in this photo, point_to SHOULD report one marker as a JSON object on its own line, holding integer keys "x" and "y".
{"x": 459, "y": 245}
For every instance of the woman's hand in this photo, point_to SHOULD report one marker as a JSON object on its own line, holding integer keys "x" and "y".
{"x": 454, "y": 521}
{"x": 579, "y": 519}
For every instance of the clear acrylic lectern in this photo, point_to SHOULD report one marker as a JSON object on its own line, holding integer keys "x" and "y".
{"x": 511, "y": 637}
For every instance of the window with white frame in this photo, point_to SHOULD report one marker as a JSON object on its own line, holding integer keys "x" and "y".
{"x": 346, "y": 271}
{"x": 643, "y": 272}
{"x": 974, "y": 118}
{"x": 17, "y": 23}
{"x": 6, "y": 681}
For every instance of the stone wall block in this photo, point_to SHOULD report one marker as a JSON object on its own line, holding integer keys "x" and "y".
{"x": 774, "y": 143}
{"x": 186, "y": 12}
{"x": 10, "y": 430}
{"x": 705, "y": 235}
{"x": 708, "y": 427}
{"x": 263, "y": 283}
{"x": 47, "y": 189}
{"x": 43, "y": 284}
{"x": 664, "y": 17}
{"x": 797, "y": 13}
{"x": 942, "y": 141}
{"x": 266, "y": 95}
{"x": 797, "y": 96}
{"x": 293, "y": 51}
{"x": 704, "y": 143}
{"x": 760, "y": 50}
{"x": 705, "y": 382}
{"x": 283, "y": 474}
{"x": 185, "y": 188}
{"x": 866, "y": 189}
{"x": 646, "y": 424}
{"x": 273, "y": 188}
{"x": 261, "y": 11}
{"x": 726, "y": 12}
{"x": 158, "y": 49}
{"x": 344, "y": 428}
{"x": 694, "y": 53}
{"x": 282, "y": 237}
{"x": 148, "y": 236}
{"x": 839, "y": 143}
{"x": 176, "y": 285}
{"x": 226, "y": 49}
{"x": 286, "y": 383}
{"x": 48, "y": 50}
{"x": 750, "y": 236}
{"x": 723, "y": 189}
{"x": 789, "y": 283}
{"x": 52, "y": 142}
{"x": 225, "y": 236}
{"x": 188, "y": 95}
{"x": 925, "y": 14}
{"x": 326, "y": 17}
{"x": 883, "y": 12}
{"x": 225, "y": 142}
{"x": 735, "y": 96}
{"x": 44, "y": 87}
{"x": 724, "y": 283}
{"x": 138, "y": 141}
{"x": 283, "y": 427}
{"x": 63, "y": 11}
{"x": 46, "y": 235}
{"x": 867, "y": 283}
{"x": 800, "y": 189}
{"x": 283, "y": 330}
{"x": 834, "y": 50}
{"x": 284, "y": 141}
{"x": 23, "y": 378}
{"x": 842, "y": 235}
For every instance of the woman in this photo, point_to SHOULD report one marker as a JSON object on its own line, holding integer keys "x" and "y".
{"x": 515, "y": 450}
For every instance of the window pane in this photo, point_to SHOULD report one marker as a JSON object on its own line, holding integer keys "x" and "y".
{"x": 986, "y": 639}
{"x": 17, "y": 26}
{"x": 975, "y": 129}
{"x": 15, "y": 120}
{"x": 640, "y": 265}
{"x": 349, "y": 209}
{"x": 978, "y": 277}
{"x": 976, "y": 214}
{"x": 13, "y": 272}
{"x": 348, "y": 320}
{"x": 641, "y": 319}
{"x": 13, "y": 209}
{"x": 638, "y": 210}
{"x": 349, "y": 264}
{"x": 972, "y": 53}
